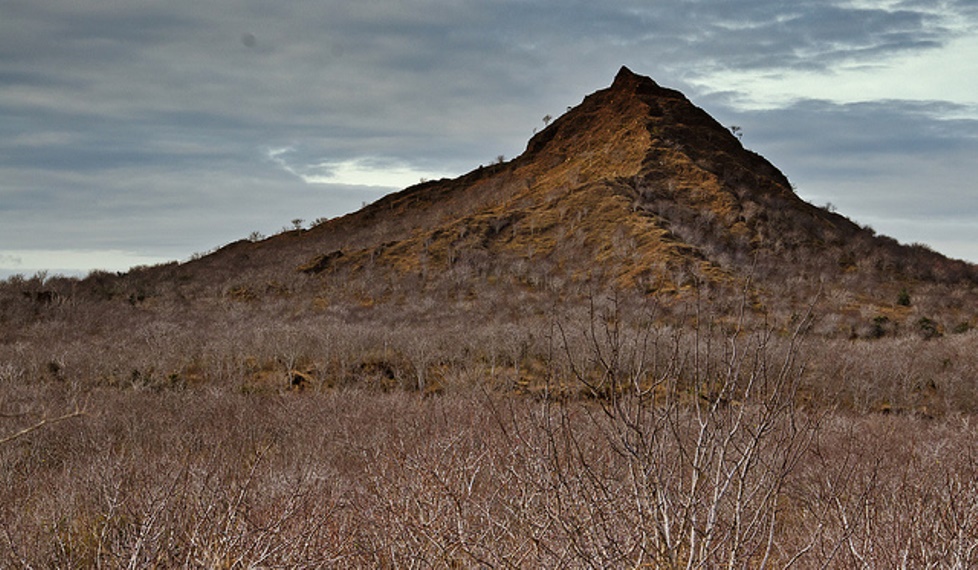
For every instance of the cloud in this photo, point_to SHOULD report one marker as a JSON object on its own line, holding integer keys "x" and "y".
{"x": 167, "y": 128}
{"x": 364, "y": 171}
{"x": 157, "y": 211}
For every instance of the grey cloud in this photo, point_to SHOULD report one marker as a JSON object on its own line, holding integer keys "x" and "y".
{"x": 829, "y": 131}
{"x": 812, "y": 35}
{"x": 140, "y": 122}
{"x": 158, "y": 211}
{"x": 395, "y": 52}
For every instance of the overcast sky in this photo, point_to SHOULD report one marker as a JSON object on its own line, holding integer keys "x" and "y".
{"x": 139, "y": 131}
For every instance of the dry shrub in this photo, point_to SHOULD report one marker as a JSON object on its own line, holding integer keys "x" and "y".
{"x": 709, "y": 459}
{"x": 702, "y": 443}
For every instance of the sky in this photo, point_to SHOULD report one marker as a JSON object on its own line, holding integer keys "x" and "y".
{"x": 136, "y": 131}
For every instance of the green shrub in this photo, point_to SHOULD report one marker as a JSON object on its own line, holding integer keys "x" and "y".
{"x": 903, "y": 299}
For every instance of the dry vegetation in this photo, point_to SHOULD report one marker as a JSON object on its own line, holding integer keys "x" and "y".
{"x": 617, "y": 433}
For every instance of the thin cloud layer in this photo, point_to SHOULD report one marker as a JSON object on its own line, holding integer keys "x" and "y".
{"x": 156, "y": 128}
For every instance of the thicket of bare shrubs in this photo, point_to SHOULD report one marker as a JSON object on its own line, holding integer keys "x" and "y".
{"x": 358, "y": 478}
{"x": 593, "y": 435}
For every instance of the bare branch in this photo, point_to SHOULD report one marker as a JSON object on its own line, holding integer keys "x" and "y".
{"x": 77, "y": 412}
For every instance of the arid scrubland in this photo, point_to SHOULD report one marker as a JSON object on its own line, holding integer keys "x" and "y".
{"x": 631, "y": 346}
{"x": 600, "y": 436}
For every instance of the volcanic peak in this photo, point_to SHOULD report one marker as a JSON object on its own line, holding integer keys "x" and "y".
{"x": 635, "y": 184}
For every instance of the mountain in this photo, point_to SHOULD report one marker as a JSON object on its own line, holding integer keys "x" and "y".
{"x": 635, "y": 189}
